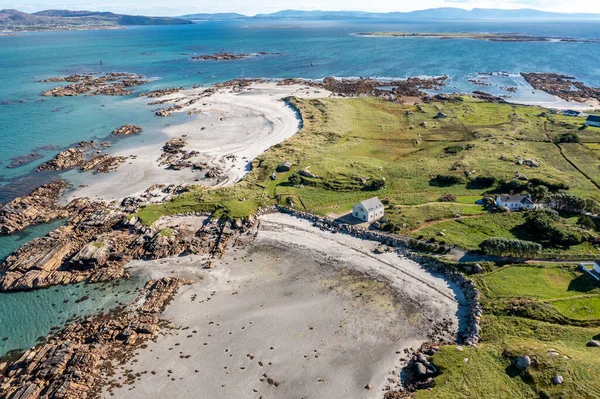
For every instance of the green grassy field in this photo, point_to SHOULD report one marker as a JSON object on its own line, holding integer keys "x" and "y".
{"x": 487, "y": 372}
{"x": 351, "y": 142}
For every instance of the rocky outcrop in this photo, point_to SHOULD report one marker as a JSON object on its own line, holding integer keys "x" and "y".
{"x": 563, "y": 86}
{"x": 160, "y": 92}
{"x": 67, "y": 159}
{"x": 175, "y": 157}
{"x": 102, "y": 163}
{"x": 111, "y": 84}
{"x": 126, "y": 130}
{"x": 75, "y": 362}
{"x": 40, "y": 206}
{"x": 164, "y": 112}
{"x": 98, "y": 240}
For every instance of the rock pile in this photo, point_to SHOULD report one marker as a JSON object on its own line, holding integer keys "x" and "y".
{"x": 111, "y": 84}
{"x": 67, "y": 159}
{"x": 175, "y": 157}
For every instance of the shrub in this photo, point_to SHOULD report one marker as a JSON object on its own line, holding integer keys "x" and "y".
{"x": 448, "y": 198}
{"x": 483, "y": 181}
{"x": 295, "y": 179}
{"x": 553, "y": 187}
{"x": 375, "y": 184}
{"x": 567, "y": 202}
{"x": 447, "y": 180}
{"x": 498, "y": 246}
{"x": 567, "y": 138}
{"x": 586, "y": 222}
{"x": 546, "y": 225}
{"x": 454, "y": 149}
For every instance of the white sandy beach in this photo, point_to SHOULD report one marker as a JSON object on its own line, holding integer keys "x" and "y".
{"x": 317, "y": 313}
{"x": 243, "y": 124}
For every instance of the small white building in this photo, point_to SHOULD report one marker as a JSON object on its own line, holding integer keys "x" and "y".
{"x": 516, "y": 202}
{"x": 368, "y": 210}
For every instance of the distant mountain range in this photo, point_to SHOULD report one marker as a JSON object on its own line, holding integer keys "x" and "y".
{"x": 56, "y": 19}
{"x": 434, "y": 13}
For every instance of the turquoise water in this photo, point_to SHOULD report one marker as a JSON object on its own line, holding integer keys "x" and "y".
{"x": 28, "y": 120}
{"x": 8, "y": 244}
{"x": 25, "y": 317}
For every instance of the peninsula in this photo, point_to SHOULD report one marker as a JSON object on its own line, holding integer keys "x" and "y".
{"x": 15, "y": 21}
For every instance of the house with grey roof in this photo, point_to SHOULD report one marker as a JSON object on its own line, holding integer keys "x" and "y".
{"x": 369, "y": 210}
{"x": 516, "y": 202}
{"x": 593, "y": 120}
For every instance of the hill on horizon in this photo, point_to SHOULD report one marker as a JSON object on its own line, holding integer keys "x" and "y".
{"x": 432, "y": 13}
{"x": 54, "y": 18}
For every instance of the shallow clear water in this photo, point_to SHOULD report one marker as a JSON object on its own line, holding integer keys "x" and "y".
{"x": 27, "y": 316}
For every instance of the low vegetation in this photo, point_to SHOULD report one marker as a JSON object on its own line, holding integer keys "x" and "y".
{"x": 549, "y": 313}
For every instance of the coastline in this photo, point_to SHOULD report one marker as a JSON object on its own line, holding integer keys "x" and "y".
{"x": 230, "y": 128}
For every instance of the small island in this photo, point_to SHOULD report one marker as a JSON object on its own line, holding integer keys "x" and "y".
{"x": 491, "y": 37}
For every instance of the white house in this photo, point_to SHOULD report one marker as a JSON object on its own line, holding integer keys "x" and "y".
{"x": 593, "y": 120}
{"x": 516, "y": 202}
{"x": 368, "y": 210}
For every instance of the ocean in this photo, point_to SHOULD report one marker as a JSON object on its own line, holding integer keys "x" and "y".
{"x": 311, "y": 49}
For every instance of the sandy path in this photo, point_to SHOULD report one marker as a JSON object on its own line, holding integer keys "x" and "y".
{"x": 309, "y": 309}
{"x": 243, "y": 124}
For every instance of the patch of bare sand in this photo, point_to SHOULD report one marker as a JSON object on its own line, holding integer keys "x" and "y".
{"x": 299, "y": 313}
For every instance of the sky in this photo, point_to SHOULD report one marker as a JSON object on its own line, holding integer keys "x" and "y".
{"x": 252, "y": 7}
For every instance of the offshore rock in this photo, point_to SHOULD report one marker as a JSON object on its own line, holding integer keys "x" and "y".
{"x": 126, "y": 130}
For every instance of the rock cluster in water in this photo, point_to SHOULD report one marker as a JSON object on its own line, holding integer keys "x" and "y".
{"x": 160, "y": 92}
{"x": 227, "y": 56}
{"x": 110, "y": 84}
{"x": 86, "y": 156}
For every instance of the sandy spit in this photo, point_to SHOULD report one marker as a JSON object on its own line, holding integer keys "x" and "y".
{"x": 243, "y": 124}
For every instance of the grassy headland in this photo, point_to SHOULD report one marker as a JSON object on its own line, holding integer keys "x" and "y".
{"x": 356, "y": 146}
